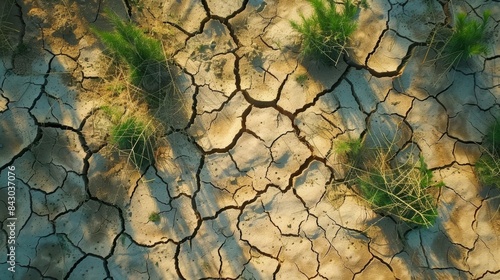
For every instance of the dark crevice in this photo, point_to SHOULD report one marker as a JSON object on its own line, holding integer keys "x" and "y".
{"x": 377, "y": 44}
{"x": 323, "y": 92}
{"x": 236, "y": 137}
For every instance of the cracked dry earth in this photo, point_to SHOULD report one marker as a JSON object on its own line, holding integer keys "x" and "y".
{"x": 243, "y": 179}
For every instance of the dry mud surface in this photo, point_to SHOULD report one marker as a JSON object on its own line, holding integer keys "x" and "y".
{"x": 243, "y": 174}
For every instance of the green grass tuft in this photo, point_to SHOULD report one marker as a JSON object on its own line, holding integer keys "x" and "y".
{"x": 136, "y": 138}
{"x": 488, "y": 165}
{"x": 469, "y": 38}
{"x": 148, "y": 65}
{"x": 112, "y": 112}
{"x": 154, "y": 217}
{"x": 301, "y": 79}
{"x": 402, "y": 192}
{"x": 488, "y": 170}
{"x": 351, "y": 148}
{"x": 394, "y": 182}
{"x": 327, "y": 31}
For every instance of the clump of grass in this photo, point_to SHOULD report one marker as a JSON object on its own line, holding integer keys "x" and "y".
{"x": 402, "y": 190}
{"x": 468, "y": 38}
{"x": 116, "y": 88}
{"x": 144, "y": 55}
{"x": 327, "y": 31}
{"x": 112, "y": 112}
{"x": 154, "y": 217}
{"x": 301, "y": 79}
{"x": 488, "y": 165}
{"x": 350, "y": 148}
{"x": 135, "y": 138}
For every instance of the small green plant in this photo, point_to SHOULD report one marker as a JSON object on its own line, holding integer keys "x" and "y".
{"x": 488, "y": 165}
{"x": 149, "y": 68}
{"x": 112, "y": 112}
{"x": 301, "y": 79}
{"x": 116, "y": 88}
{"x": 154, "y": 217}
{"x": 469, "y": 38}
{"x": 350, "y": 148}
{"x": 327, "y": 31}
{"x": 136, "y": 138}
{"x": 402, "y": 192}
{"x": 393, "y": 184}
{"x": 203, "y": 48}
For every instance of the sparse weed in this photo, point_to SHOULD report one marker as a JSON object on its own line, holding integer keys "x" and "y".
{"x": 116, "y": 88}
{"x": 154, "y": 217}
{"x": 488, "y": 165}
{"x": 468, "y": 38}
{"x": 401, "y": 190}
{"x": 149, "y": 67}
{"x": 301, "y": 79}
{"x": 135, "y": 138}
{"x": 327, "y": 31}
{"x": 350, "y": 148}
{"x": 112, "y": 112}
{"x": 203, "y": 48}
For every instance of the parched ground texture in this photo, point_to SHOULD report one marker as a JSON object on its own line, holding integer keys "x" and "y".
{"x": 244, "y": 165}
